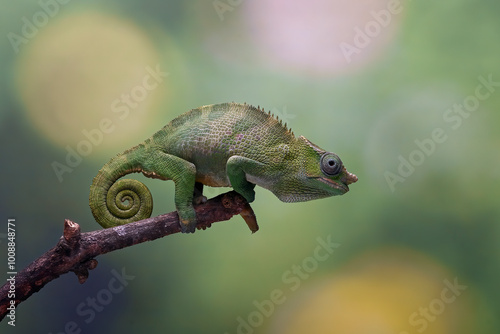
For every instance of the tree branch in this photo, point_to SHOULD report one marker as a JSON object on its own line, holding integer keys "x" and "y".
{"x": 76, "y": 251}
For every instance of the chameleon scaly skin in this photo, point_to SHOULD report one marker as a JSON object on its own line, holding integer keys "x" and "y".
{"x": 222, "y": 145}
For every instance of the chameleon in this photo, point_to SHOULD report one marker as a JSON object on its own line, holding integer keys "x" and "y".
{"x": 220, "y": 145}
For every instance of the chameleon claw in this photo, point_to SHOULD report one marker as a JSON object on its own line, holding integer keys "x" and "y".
{"x": 203, "y": 227}
{"x": 199, "y": 200}
{"x": 187, "y": 226}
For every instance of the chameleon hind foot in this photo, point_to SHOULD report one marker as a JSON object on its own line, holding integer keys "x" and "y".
{"x": 198, "y": 197}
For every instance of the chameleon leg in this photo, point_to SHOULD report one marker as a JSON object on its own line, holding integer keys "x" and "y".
{"x": 198, "y": 197}
{"x": 183, "y": 174}
{"x": 237, "y": 167}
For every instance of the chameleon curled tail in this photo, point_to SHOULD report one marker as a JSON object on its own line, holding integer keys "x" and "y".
{"x": 116, "y": 202}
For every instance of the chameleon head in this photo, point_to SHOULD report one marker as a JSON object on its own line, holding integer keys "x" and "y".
{"x": 314, "y": 174}
{"x": 335, "y": 175}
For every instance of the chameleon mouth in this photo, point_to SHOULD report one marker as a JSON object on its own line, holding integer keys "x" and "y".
{"x": 346, "y": 179}
{"x": 335, "y": 184}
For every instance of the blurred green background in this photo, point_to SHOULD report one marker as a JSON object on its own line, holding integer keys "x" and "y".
{"x": 406, "y": 92}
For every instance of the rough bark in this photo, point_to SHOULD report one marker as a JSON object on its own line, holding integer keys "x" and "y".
{"x": 76, "y": 252}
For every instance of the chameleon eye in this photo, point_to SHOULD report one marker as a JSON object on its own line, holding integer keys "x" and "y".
{"x": 331, "y": 164}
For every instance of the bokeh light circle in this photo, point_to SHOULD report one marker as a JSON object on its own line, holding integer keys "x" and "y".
{"x": 321, "y": 37}
{"x": 78, "y": 71}
{"x": 387, "y": 291}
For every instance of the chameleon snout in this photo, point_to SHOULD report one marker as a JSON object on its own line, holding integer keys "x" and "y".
{"x": 347, "y": 177}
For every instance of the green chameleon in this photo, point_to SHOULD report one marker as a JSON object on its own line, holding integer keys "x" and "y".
{"x": 222, "y": 145}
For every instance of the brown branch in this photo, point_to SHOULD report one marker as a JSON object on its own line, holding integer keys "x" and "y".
{"x": 76, "y": 251}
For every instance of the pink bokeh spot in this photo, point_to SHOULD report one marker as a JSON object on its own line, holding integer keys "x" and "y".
{"x": 315, "y": 36}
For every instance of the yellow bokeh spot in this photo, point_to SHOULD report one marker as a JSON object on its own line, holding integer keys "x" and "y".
{"x": 380, "y": 293}
{"x": 86, "y": 72}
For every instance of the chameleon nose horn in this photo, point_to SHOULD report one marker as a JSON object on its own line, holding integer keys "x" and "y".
{"x": 349, "y": 177}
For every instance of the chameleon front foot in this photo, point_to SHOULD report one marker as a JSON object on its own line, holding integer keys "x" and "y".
{"x": 231, "y": 200}
{"x": 247, "y": 213}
